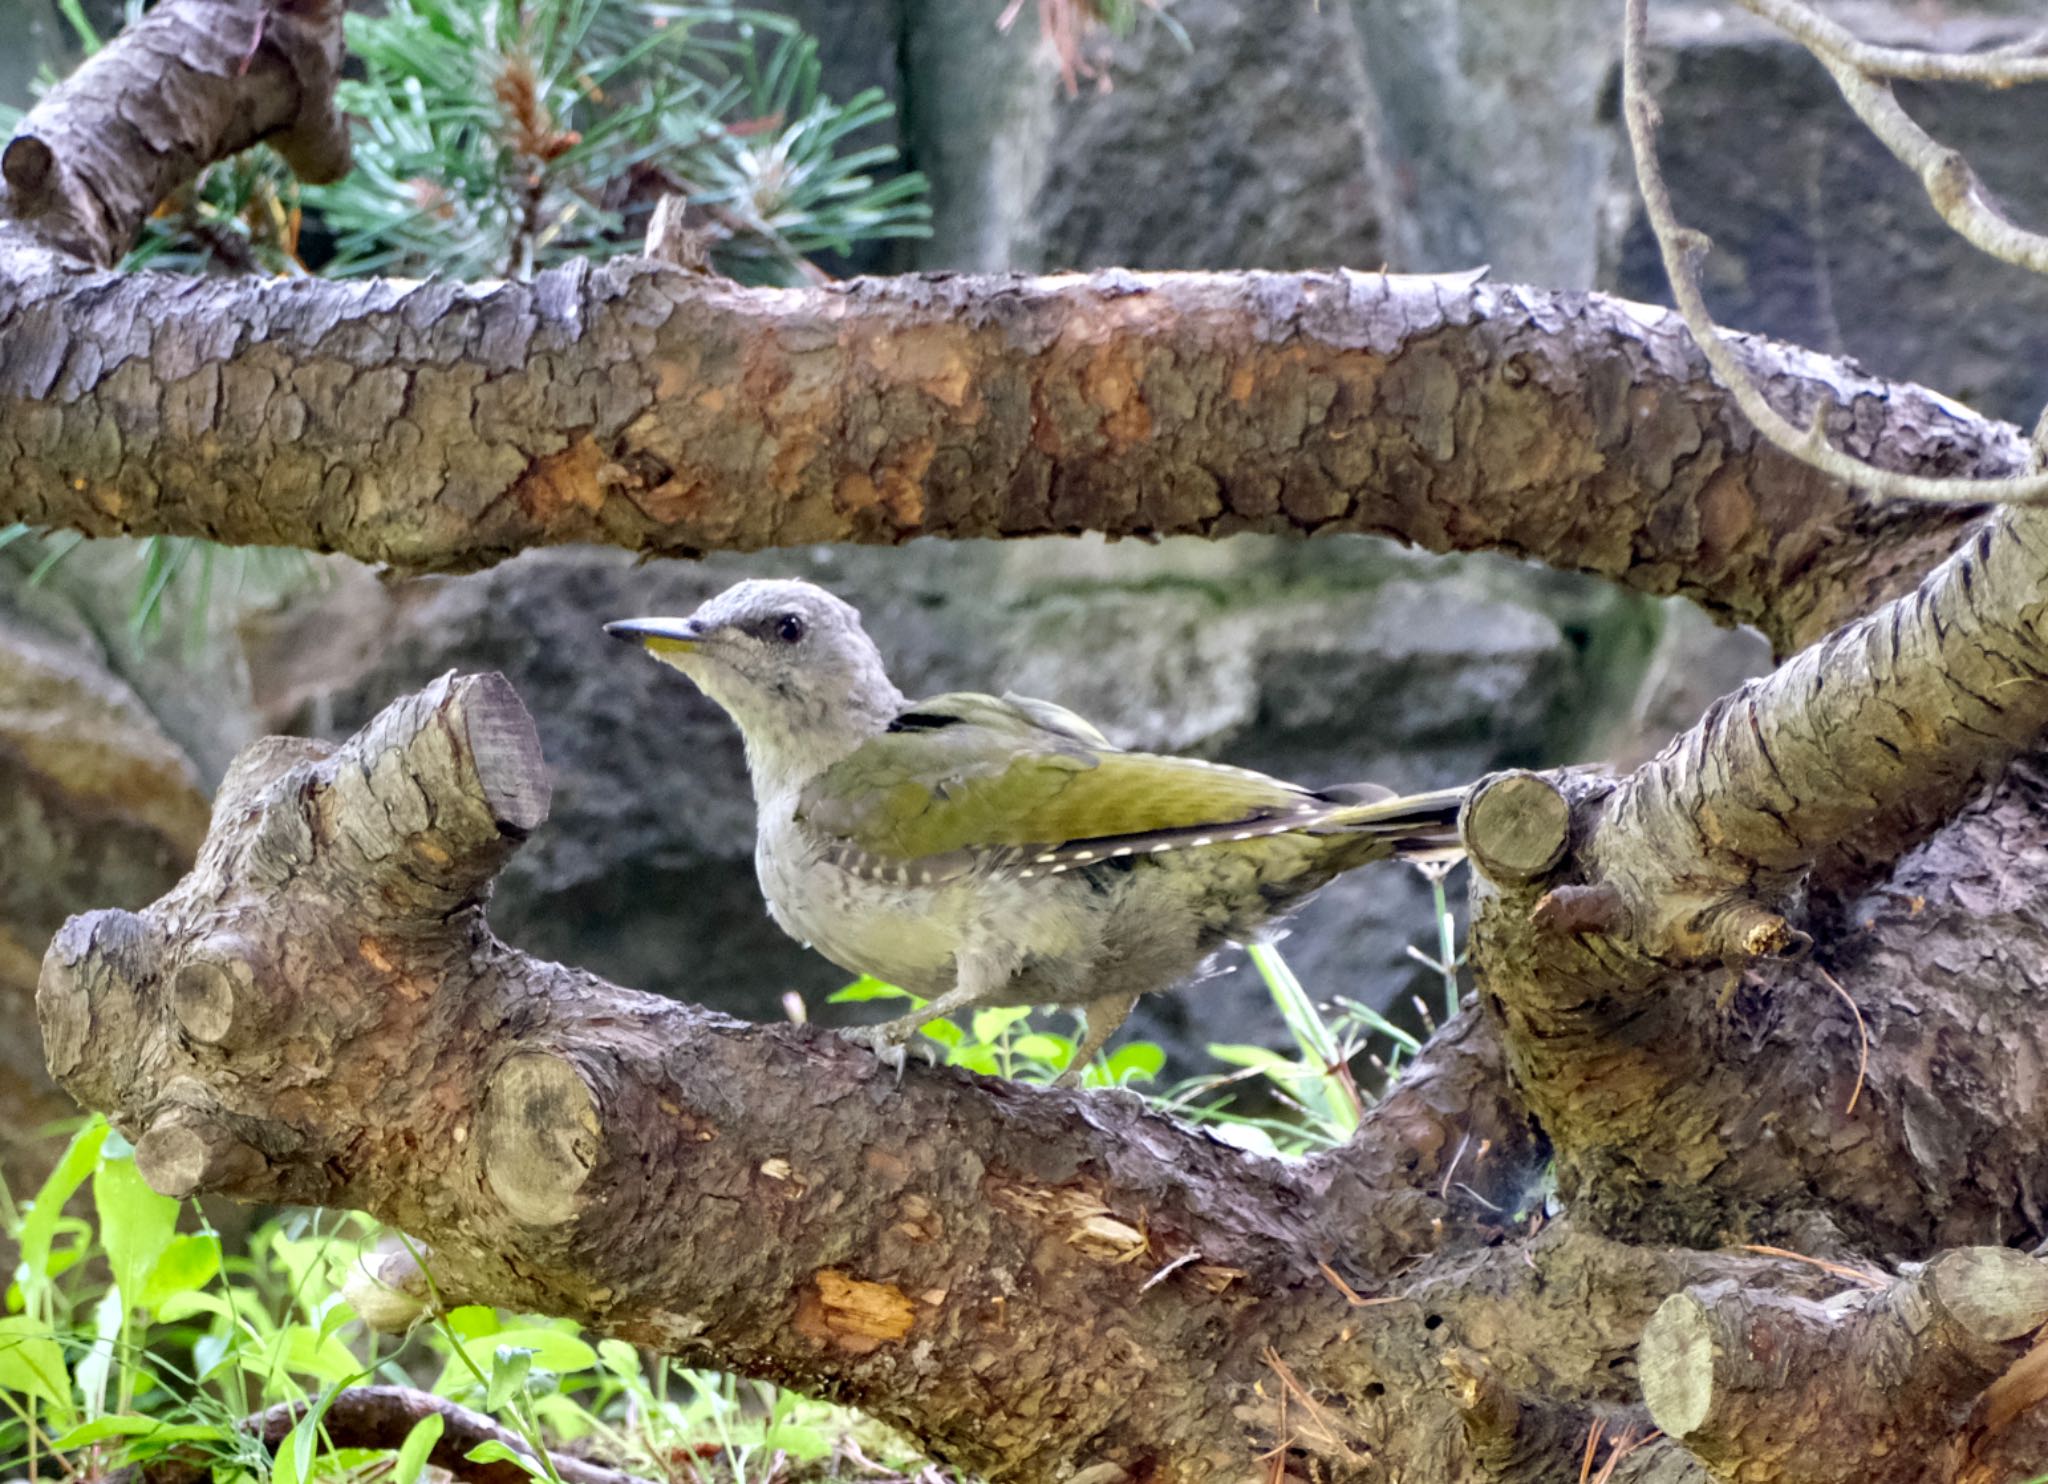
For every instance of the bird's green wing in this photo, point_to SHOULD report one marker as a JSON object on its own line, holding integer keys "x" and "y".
{"x": 961, "y": 778}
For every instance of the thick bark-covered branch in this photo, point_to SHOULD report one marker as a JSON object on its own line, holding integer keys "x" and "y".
{"x": 1680, "y": 891}
{"x": 1029, "y": 1281}
{"x": 1771, "y": 1389}
{"x": 188, "y": 84}
{"x": 439, "y": 427}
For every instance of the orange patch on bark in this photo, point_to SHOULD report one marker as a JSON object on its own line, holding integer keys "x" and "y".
{"x": 1111, "y": 381}
{"x": 670, "y": 377}
{"x": 896, "y": 489}
{"x": 670, "y": 502}
{"x": 1727, "y": 512}
{"x": 935, "y": 361}
{"x": 1078, "y": 1214}
{"x": 560, "y": 482}
{"x": 374, "y": 955}
{"x": 792, "y": 457}
{"x": 852, "y": 1315}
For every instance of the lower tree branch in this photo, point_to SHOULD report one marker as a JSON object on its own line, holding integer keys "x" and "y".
{"x": 1767, "y": 1388}
{"x": 1031, "y": 1282}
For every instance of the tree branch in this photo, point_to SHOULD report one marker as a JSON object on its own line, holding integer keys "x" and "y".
{"x": 1681, "y": 248}
{"x": 1880, "y": 1375}
{"x": 2003, "y": 67}
{"x": 440, "y": 427}
{"x": 188, "y": 84}
{"x": 1689, "y": 883}
{"x": 318, "y": 1015}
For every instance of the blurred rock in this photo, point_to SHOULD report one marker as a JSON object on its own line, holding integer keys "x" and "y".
{"x": 1492, "y": 116}
{"x": 98, "y": 808}
{"x": 1820, "y": 236}
{"x": 1330, "y": 662}
{"x": 1695, "y": 663}
{"x": 1256, "y": 144}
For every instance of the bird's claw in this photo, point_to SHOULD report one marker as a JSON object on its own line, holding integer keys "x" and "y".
{"x": 891, "y": 1046}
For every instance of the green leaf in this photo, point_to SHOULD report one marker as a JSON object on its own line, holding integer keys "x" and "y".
{"x": 1045, "y": 1049}
{"x": 1140, "y": 1060}
{"x": 189, "y": 1263}
{"x": 471, "y": 1321}
{"x": 552, "y": 1349}
{"x": 31, "y": 1363}
{"x": 989, "y": 1025}
{"x": 177, "y": 1306}
{"x": 510, "y": 1367}
{"x": 944, "y": 1031}
{"x": 150, "y": 1429}
{"x": 136, "y": 1224}
{"x": 1260, "y": 1058}
{"x": 804, "y": 1444}
{"x": 299, "y": 1349}
{"x": 294, "y": 1461}
{"x": 976, "y": 1056}
{"x": 866, "y": 988}
{"x": 412, "y": 1453}
{"x": 494, "y": 1451}
{"x": 621, "y": 1359}
{"x": 80, "y": 1159}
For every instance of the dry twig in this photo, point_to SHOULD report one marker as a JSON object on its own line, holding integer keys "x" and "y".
{"x": 1853, "y": 1275}
{"x": 2023, "y": 62}
{"x": 1862, "y": 1030}
{"x": 1681, "y": 247}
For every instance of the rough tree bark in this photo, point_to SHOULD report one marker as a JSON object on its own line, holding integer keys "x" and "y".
{"x": 1045, "y": 1286}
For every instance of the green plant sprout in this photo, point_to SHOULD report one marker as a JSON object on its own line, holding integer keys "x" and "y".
{"x": 126, "y": 1340}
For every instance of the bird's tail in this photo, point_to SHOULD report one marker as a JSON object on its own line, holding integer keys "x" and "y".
{"x": 1421, "y": 827}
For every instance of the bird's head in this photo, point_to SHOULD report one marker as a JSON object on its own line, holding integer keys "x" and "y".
{"x": 788, "y": 661}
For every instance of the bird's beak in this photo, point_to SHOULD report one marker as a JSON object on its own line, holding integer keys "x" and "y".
{"x": 659, "y": 635}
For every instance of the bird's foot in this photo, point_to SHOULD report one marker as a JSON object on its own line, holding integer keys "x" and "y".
{"x": 891, "y": 1043}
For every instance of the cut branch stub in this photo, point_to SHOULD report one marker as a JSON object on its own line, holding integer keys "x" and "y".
{"x": 89, "y": 957}
{"x": 1517, "y": 827}
{"x": 466, "y": 744}
{"x": 189, "y": 1151}
{"x": 1875, "y": 1372}
{"x": 27, "y": 166}
{"x": 211, "y": 995}
{"x": 540, "y": 1136}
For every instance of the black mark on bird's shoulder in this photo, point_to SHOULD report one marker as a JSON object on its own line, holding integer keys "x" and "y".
{"x": 923, "y": 721}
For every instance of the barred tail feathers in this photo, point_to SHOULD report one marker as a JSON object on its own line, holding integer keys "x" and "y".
{"x": 1422, "y": 827}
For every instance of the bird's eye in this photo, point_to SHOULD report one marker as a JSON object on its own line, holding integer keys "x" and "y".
{"x": 789, "y": 628}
